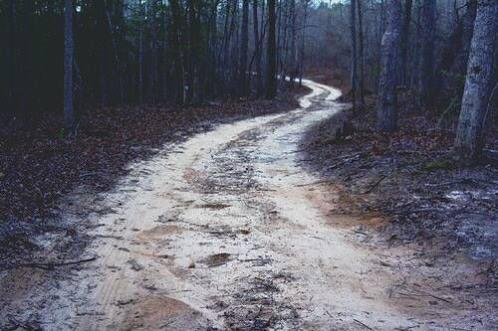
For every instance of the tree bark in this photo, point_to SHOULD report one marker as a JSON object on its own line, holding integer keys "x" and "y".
{"x": 405, "y": 39}
{"x": 428, "y": 30}
{"x": 293, "y": 60}
{"x": 257, "y": 48}
{"x": 177, "y": 50}
{"x": 302, "y": 50}
{"x": 361, "y": 82}
{"x": 470, "y": 136}
{"x": 468, "y": 21}
{"x": 68, "y": 67}
{"x": 141, "y": 54}
{"x": 271, "y": 88}
{"x": 12, "y": 49}
{"x": 390, "y": 53}
{"x": 244, "y": 45}
{"x": 154, "y": 47}
{"x": 354, "y": 61}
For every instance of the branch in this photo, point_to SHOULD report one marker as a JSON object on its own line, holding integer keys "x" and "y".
{"x": 53, "y": 265}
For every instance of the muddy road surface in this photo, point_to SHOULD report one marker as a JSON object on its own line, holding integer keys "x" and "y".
{"x": 227, "y": 232}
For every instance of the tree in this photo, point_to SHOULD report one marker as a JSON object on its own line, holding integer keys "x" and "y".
{"x": 141, "y": 53}
{"x": 271, "y": 88}
{"x": 244, "y": 45}
{"x": 178, "y": 65}
{"x": 257, "y": 48}
{"x": 428, "y": 33}
{"x": 453, "y": 60}
{"x": 293, "y": 47}
{"x": 354, "y": 57}
{"x": 68, "y": 66}
{"x": 405, "y": 39}
{"x": 390, "y": 60}
{"x": 467, "y": 30}
{"x": 361, "y": 53}
{"x": 12, "y": 62}
{"x": 469, "y": 139}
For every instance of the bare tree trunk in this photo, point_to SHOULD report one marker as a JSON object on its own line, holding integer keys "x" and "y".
{"x": 229, "y": 59}
{"x": 244, "y": 45}
{"x": 68, "y": 66}
{"x": 361, "y": 82}
{"x": 470, "y": 138}
{"x": 282, "y": 24}
{"x": 468, "y": 21}
{"x": 271, "y": 88}
{"x": 226, "y": 41}
{"x": 178, "y": 64}
{"x": 153, "y": 67}
{"x": 428, "y": 26}
{"x": 387, "y": 99}
{"x": 354, "y": 59}
{"x": 12, "y": 48}
{"x": 454, "y": 57}
{"x": 193, "y": 93}
{"x": 211, "y": 86}
{"x": 405, "y": 39}
{"x": 293, "y": 60}
{"x": 141, "y": 55}
{"x": 115, "y": 51}
{"x": 302, "y": 52}
{"x": 257, "y": 48}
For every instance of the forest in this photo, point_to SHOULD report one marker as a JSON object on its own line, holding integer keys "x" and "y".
{"x": 249, "y": 164}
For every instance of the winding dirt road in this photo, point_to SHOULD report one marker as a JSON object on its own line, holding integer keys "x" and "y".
{"x": 226, "y": 231}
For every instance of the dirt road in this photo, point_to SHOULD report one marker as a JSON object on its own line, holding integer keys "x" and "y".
{"x": 226, "y": 231}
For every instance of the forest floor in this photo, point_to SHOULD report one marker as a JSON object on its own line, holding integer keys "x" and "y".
{"x": 222, "y": 227}
{"x": 445, "y": 211}
{"x": 411, "y": 176}
{"x": 226, "y": 230}
{"x": 38, "y": 167}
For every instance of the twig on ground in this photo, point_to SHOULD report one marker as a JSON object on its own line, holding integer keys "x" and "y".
{"x": 53, "y": 265}
{"x": 374, "y": 185}
{"x": 362, "y": 324}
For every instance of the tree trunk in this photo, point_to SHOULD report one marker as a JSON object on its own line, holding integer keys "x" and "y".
{"x": 428, "y": 26}
{"x": 115, "y": 51}
{"x": 387, "y": 99}
{"x": 193, "y": 94}
{"x": 271, "y": 88}
{"x": 354, "y": 60}
{"x": 154, "y": 61}
{"x": 211, "y": 82}
{"x": 257, "y": 48}
{"x": 293, "y": 60}
{"x": 302, "y": 51}
{"x": 244, "y": 45}
{"x": 12, "y": 48}
{"x": 177, "y": 50}
{"x": 141, "y": 55}
{"x": 405, "y": 39}
{"x": 68, "y": 67}
{"x": 460, "y": 65}
{"x": 470, "y": 138}
{"x": 361, "y": 55}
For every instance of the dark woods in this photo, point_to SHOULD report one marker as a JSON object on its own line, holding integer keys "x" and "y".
{"x": 441, "y": 53}
{"x": 136, "y": 51}
{"x": 114, "y": 52}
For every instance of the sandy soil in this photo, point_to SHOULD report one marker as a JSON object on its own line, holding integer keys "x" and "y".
{"x": 226, "y": 231}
